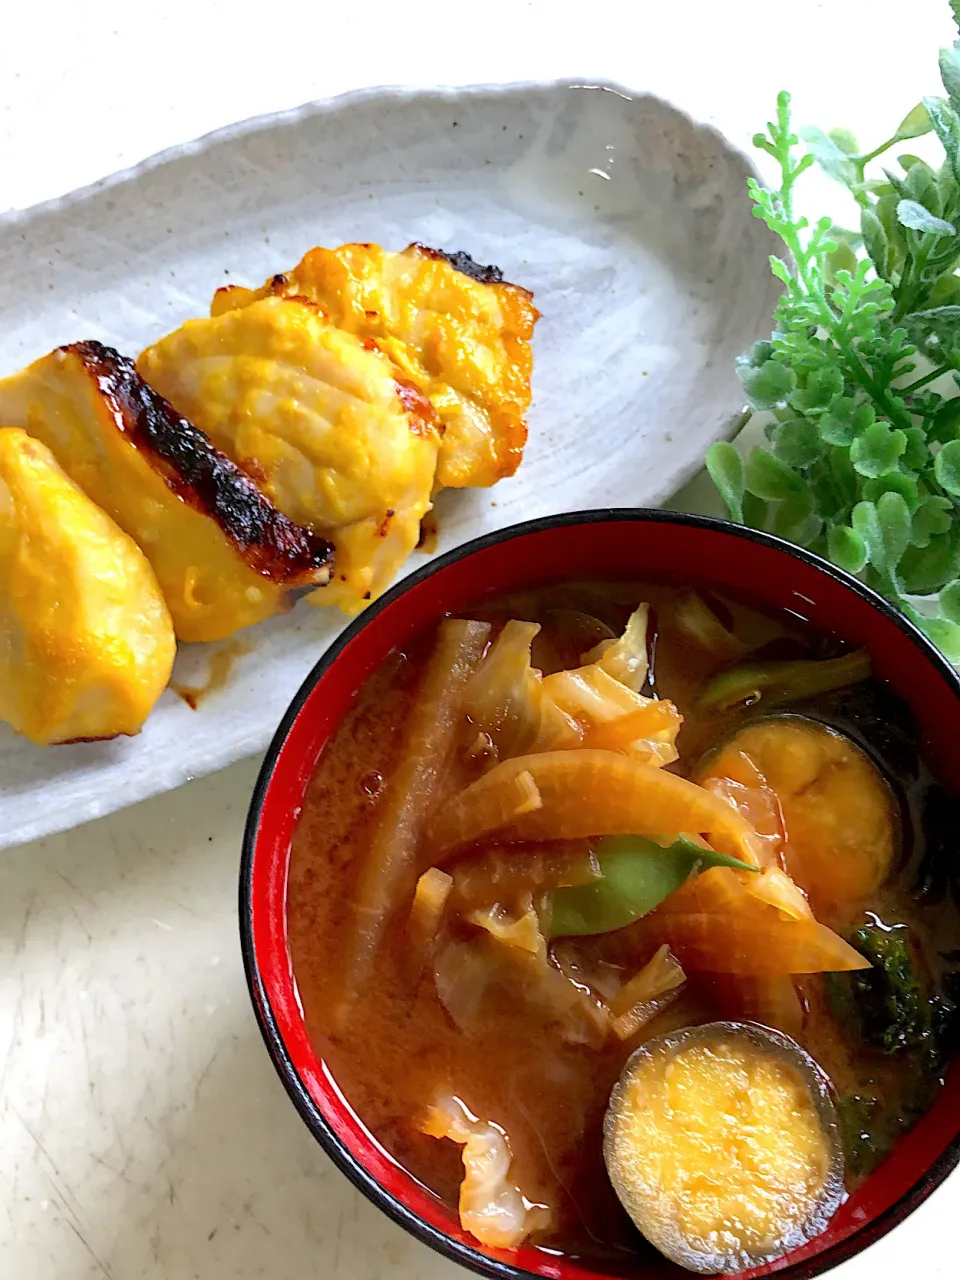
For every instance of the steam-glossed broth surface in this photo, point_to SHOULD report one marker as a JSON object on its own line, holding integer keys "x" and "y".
{"x": 394, "y": 1048}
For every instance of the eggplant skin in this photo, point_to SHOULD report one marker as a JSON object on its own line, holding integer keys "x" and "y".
{"x": 224, "y": 556}
{"x": 86, "y": 640}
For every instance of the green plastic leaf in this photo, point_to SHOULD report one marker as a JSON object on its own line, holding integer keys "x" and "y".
{"x": 845, "y": 140}
{"x": 932, "y": 517}
{"x": 846, "y": 548}
{"x": 912, "y": 214}
{"x": 945, "y": 291}
{"x": 917, "y": 453}
{"x": 946, "y": 124}
{"x": 766, "y": 383}
{"x": 820, "y": 388}
{"x": 796, "y": 520}
{"x": 947, "y": 468}
{"x": 935, "y": 330}
{"x": 725, "y": 469}
{"x": 925, "y": 571}
{"x": 797, "y": 442}
{"x": 950, "y": 602}
{"x": 914, "y": 124}
{"x": 866, "y": 523}
{"x": 899, "y": 185}
{"x": 842, "y": 258}
{"x": 921, "y": 184}
{"x": 876, "y": 242}
{"x": 897, "y": 482}
{"x": 893, "y": 516}
{"x": 948, "y": 189}
{"x": 886, "y": 211}
{"x": 769, "y": 478}
{"x": 755, "y": 511}
{"x": 945, "y": 423}
{"x": 844, "y": 481}
{"x": 945, "y": 635}
{"x": 831, "y": 159}
{"x": 950, "y": 75}
{"x": 877, "y": 450}
{"x": 636, "y": 875}
{"x": 845, "y": 421}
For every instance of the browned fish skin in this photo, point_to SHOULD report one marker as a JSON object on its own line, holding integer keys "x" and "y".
{"x": 461, "y": 261}
{"x": 202, "y": 476}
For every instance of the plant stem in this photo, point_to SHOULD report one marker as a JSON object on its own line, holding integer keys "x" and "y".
{"x": 864, "y": 159}
{"x": 927, "y": 378}
{"x": 913, "y": 269}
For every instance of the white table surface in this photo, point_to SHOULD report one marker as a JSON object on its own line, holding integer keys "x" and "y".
{"x": 143, "y": 1133}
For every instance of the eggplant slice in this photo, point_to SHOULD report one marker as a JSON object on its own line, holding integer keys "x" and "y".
{"x": 722, "y": 1144}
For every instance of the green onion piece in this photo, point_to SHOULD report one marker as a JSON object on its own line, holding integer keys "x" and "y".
{"x": 637, "y": 874}
{"x": 777, "y": 682}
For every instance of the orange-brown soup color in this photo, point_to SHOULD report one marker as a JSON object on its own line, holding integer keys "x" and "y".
{"x": 395, "y": 1048}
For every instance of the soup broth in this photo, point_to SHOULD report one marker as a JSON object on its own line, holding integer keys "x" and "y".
{"x": 447, "y": 1008}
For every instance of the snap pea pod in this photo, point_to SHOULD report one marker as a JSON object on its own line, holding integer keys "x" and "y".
{"x": 778, "y": 682}
{"x": 637, "y": 874}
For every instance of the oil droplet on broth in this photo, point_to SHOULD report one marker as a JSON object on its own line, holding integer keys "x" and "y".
{"x": 371, "y": 784}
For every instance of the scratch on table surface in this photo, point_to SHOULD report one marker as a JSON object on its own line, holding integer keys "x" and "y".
{"x": 14, "y": 1039}
{"x": 155, "y": 1243}
{"x": 117, "y": 1173}
{"x": 24, "y": 923}
{"x": 76, "y": 889}
{"x": 60, "y": 1187}
{"x": 92, "y": 1080}
{"x": 105, "y": 1270}
{"x": 79, "y": 920}
{"x": 336, "y": 1247}
{"x": 204, "y": 1073}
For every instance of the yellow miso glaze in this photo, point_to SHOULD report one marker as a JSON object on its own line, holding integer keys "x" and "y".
{"x": 462, "y": 341}
{"x": 721, "y": 1143}
{"x": 210, "y": 590}
{"x": 86, "y": 641}
{"x": 317, "y": 416}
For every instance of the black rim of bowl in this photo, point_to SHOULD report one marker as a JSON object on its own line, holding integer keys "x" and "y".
{"x": 338, "y": 1152}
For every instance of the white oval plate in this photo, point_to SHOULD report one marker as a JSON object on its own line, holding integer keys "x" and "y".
{"x": 628, "y": 221}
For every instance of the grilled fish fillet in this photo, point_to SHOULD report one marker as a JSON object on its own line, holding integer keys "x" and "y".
{"x": 458, "y": 331}
{"x": 322, "y": 421}
{"x": 224, "y": 556}
{"x": 86, "y": 641}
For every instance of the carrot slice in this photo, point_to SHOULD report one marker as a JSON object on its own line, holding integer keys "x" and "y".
{"x": 591, "y": 793}
{"x": 618, "y": 735}
{"x": 765, "y": 942}
{"x": 389, "y": 872}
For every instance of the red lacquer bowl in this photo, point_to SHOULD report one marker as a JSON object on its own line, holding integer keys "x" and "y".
{"x": 636, "y": 543}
